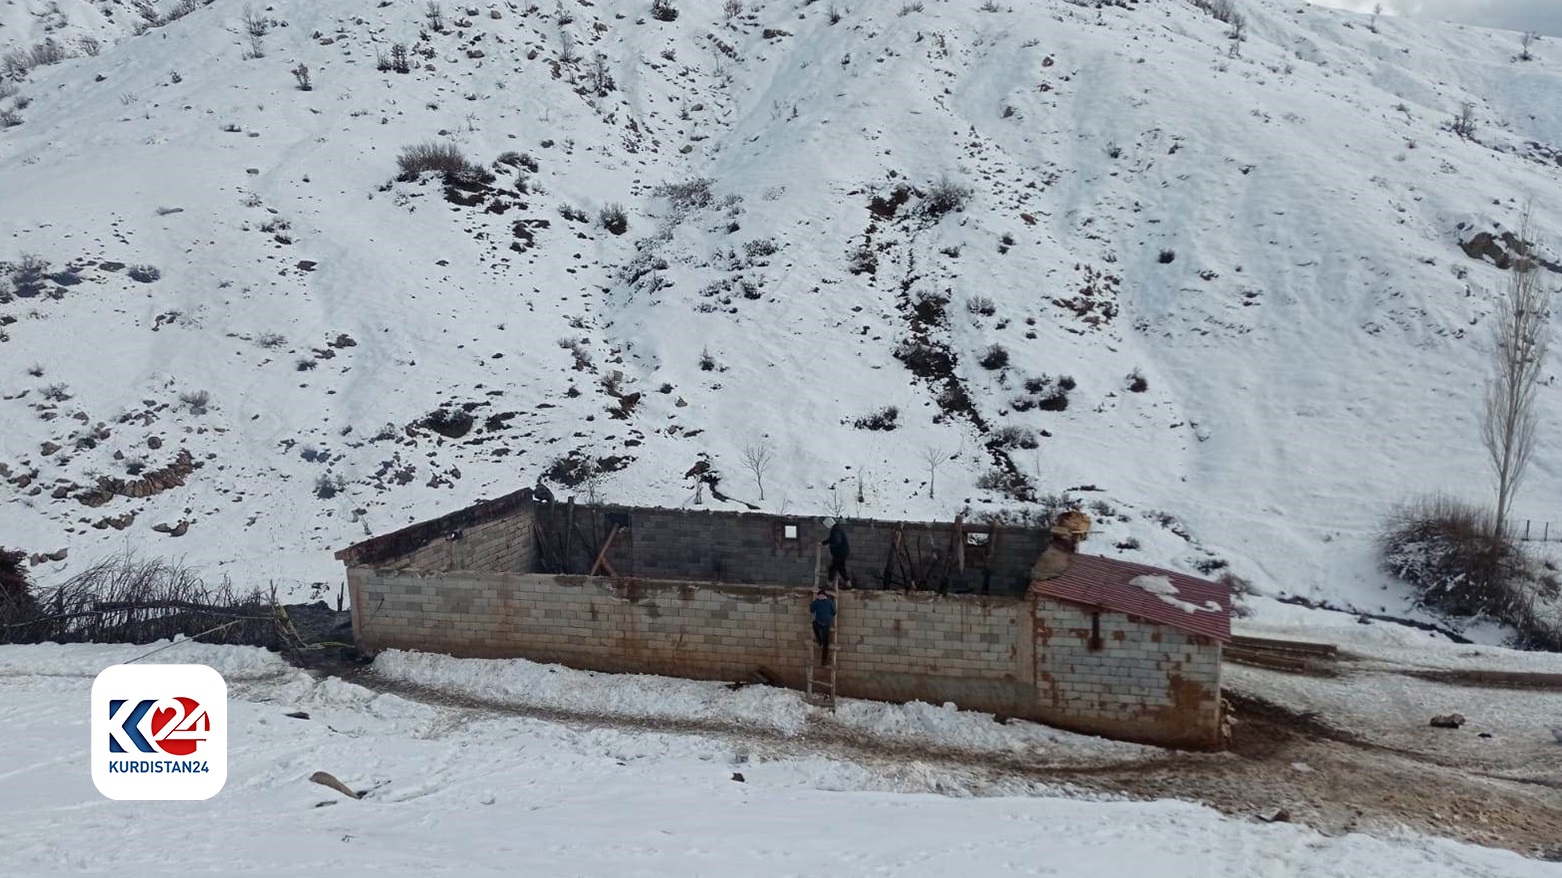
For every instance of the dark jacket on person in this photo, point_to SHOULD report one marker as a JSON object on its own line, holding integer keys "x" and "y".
{"x": 823, "y": 610}
{"x": 839, "y": 547}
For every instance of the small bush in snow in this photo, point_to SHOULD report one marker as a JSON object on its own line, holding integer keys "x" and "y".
{"x": 1447, "y": 550}
{"x": 198, "y": 401}
{"x": 834, "y": 14}
{"x": 863, "y": 260}
{"x": 614, "y": 218}
{"x": 56, "y": 393}
{"x": 18, "y": 62}
{"x": 144, "y": 273}
{"x": 883, "y": 419}
{"x": 270, "y": 340}
{"x": 255, "y": 24}
{"x": 996, "y": 357}
{"x": 10, "y": 118}
{"x": 664, "y": 10}
{"x": 1137, "y": 382}
{"x": 327, "y": 486}
{"x": 688, "y": 194}
{"x": 707, "y": 362}
{"x": 982, "y": 305}
{"x": 1013, "y": 484}
{"x": 1464, "y": 123}
{"x": 27, "y": 276}
{"x": 435, "y": 15}
{"x": 432, "y": 155}
{"x": 35, "y": 370}
{"x": 1015, "y": 437}
{"x": 1220, "y": 10}
{"x": 945, "y": 196}
{"x": 1167, "y": 256}
{"x": 910, "y": 7}
{"x": 89, "y": 46}
{"x": 599, "y": 80}
{"x": 301, "y": 74}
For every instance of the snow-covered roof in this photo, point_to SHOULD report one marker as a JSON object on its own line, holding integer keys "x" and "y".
{"x": 1187, "y": 603}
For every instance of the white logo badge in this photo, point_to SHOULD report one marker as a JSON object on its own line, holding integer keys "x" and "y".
{"x": 159, "y": 732}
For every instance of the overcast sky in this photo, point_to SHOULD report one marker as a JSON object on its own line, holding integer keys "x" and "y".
{"x": 1543, "y": 16}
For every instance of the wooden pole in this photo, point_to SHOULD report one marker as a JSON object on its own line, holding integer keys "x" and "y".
{"x": 569, "y": 529}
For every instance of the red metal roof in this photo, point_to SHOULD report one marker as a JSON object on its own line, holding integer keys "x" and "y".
{"x": 1195, "y": 605}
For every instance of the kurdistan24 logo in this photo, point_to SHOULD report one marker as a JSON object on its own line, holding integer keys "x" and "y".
{"x": 159, "y": 732}
{"x": 175, "y": 726}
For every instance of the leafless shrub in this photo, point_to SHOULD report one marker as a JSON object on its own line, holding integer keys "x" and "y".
{"x": 732, "y": 9}
{"x": 435, "y": 15}
{"x": 197, "y": 401}
{"x": 19, "y": 62}
{"x": 255, "y": 24}
{"x": 1443, "y": 548}
{"x": 982, "y": 305}
{"x": 56, "y": 393}
{"x": 10, "y": 118}
{"x": 599, "y": 80}
{"x": 301, "y": 74}
{"x": 885, "y": 418}
{"x": 909, "y": 7}
{"x": 129, "y": 599}
{"x": 328, "y": 486}
{"x": 664, "y": 10}
{"x": 688, "y": 194}
{"x": 1137, "y": 383}
{"x": 1525, "y": 42}
{"x": 996, "y": 357}
{"x": 1464, "y": 123}
{"x": 270, "y": 340}
{"x": 28, "y": 276}
{"x": 945, "y": 196}
{"x": 1220, "y": 10}
{"x": 614, "y": 218}
{"x": 1015, "y": 437}
{"x": 144, "y": 273}
{"x": 90, "y": 46}
{"x": 442, "y": 157}
{"x": 834, "y": 14}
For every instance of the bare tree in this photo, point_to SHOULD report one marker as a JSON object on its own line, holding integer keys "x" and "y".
{"x": 1526, "y": 41}
{"x": 1377, "y": 10}
{"x": 757, "y": 457}
{"x": 1464, "y": 123}
{"x": 1520, "y": 338}
{"x": 255, "y": 24}
{"x": 934, "y": 457}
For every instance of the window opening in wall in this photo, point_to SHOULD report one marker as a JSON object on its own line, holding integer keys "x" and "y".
{"x": 1095, "y": 630}
{"x": 789, "y": 531}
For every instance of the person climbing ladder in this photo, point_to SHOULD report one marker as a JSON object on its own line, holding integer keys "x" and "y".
{"x": 823, "y": 610}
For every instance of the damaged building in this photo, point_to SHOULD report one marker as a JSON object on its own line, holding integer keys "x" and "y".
{"x": 1009, "y": 620}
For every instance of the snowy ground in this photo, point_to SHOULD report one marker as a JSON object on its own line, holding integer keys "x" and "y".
{"x": 465, "y": 792}
{"x": 1270, "y": 235}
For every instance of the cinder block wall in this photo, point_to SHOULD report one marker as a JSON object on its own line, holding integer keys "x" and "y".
{"x": 503, "y": 545}
{"x": 734, "y": 547}
{"x": 1145, "y": 682}
{"x": 974, "y": 651}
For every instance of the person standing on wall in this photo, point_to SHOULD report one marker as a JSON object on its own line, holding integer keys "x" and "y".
{"x": 823, "y": 611}
{"x": 840, "y": 549}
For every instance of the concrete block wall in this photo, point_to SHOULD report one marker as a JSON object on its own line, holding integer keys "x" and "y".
{"x": 1143, "y": 682}
{"x": 502, "y": 545}
{"x": 970, "y": 650}
{"x": 731, "y": 547}
{"x": 973, "y": 650}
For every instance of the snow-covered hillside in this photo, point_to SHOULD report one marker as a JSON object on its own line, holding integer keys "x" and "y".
{"x": 246, "y": 319}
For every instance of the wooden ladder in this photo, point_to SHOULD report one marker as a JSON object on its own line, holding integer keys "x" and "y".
{"x": 818, "y": 688}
